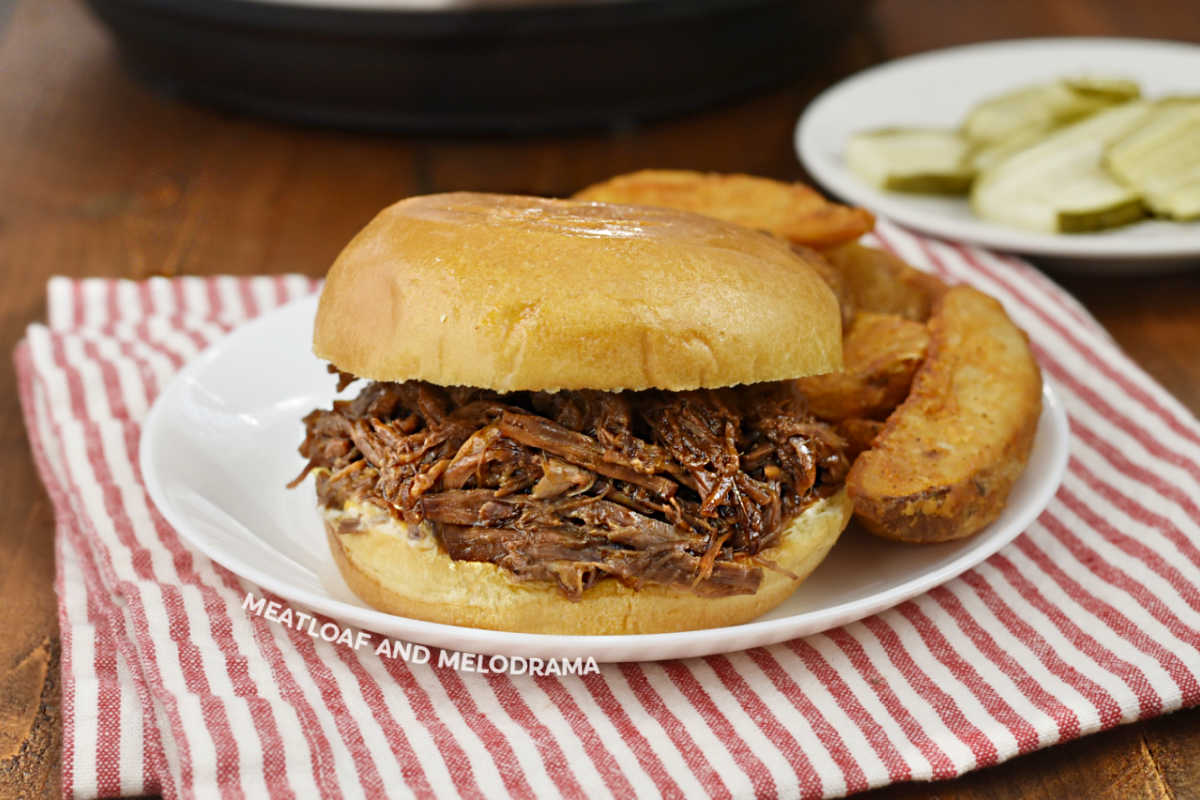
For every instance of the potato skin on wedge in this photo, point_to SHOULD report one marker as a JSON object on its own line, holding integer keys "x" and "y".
{"x": 881, "y": 354}
{"x": 793, "y": 211}
{"x": 874, "y": 280}
{"x": 945, "y": 461}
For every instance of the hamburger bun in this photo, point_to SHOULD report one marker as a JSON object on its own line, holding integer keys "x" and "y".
{"x": 522, "y": 293}
{"x": 402, "y": 570}
{"x": 527, "y": 294}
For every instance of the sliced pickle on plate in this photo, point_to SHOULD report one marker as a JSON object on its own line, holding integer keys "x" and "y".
{"x": 1044, "y": 107}
{"x": 1085, "y": 216}
{"x": 986, "y": 156}
{"x": 1161, "y": 159}
{"x": 1117, "y": 90}
{"x": 1182, "y": 203}
{"x": 925, "y": 160}
{"x": 1059, "y": 185}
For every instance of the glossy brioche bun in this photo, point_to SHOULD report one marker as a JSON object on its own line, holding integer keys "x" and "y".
{"x": 415, "y": 577}
{"x": 523, "y": 293}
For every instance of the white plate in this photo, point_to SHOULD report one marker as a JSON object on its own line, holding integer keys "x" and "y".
{"x": 220, "y": 443}
{"x": 938, "y": 88}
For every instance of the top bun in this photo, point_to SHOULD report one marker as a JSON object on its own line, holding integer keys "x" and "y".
{"x": 523, "y": 293}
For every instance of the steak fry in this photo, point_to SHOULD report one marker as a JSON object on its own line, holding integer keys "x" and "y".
{"x": 792, "y": 211}
{"x": 874, "y": 280}
{"x": 945, "y": 461}
{"x": 858, "y": 434}
{"x": 881, "y": 353}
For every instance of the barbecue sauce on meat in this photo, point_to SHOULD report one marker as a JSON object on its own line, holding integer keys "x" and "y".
{"x": 578, "y": 486}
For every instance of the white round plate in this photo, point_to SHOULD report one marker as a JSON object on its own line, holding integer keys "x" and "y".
{"x": 219, "y": 445}
{"x": 937, "y": 89}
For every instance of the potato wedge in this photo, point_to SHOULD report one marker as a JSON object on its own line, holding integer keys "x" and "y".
{"x": 832, "y": 277}
{"x": 945, "y": 461}
{"x": 874, "y": 280}
{"x": 793, "y": 211}
{"x": 880, "y": 353}
{"x": 859, "y": 434}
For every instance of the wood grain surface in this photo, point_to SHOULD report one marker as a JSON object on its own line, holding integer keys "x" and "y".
{"x": 99, "y": 176}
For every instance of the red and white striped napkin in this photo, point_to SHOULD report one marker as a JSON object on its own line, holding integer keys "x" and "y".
{"x": 1089, "y": 619}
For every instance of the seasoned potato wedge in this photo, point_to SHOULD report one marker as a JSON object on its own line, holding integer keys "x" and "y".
{"x": 793, "y": 211}
{"x": 945, "y": 461}
{"x": 832, "y": 277}
{"x": 859, "y": 434}
{"x": 880, "y": 353}
{"x": 875, "y": 280}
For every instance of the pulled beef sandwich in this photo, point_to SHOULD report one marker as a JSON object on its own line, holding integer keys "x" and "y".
{"x": 573, "y": 417}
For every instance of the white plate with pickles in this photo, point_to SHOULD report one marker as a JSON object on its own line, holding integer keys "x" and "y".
{"x": 1082, "y": 150}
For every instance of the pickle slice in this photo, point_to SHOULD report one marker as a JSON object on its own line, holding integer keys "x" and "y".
{"x": 925, "y": 160}
{"x": 1044, "y": 107}
{"x": 988, "y": 155}
{"x": 1117, "y": 90}
{"x": 1161, "y": 159}
{"x": 1058, "y": 185}
{"x": 1087, "y": 217}
{"x": 1182, "y": 203}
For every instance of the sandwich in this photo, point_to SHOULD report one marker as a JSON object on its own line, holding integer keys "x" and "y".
{"x": 573, "y": 417}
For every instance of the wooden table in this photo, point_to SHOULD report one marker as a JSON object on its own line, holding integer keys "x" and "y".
{"x": 100, "y": 177}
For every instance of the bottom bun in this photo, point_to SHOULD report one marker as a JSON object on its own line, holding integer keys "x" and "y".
{"x": 403, "y": 570}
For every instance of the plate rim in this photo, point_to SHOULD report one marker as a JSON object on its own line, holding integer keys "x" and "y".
{"x": 699, "y": 642}
{"x": 1103, "y": 247}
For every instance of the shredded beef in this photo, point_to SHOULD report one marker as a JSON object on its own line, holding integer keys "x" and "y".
{"x": 574, "y": 487}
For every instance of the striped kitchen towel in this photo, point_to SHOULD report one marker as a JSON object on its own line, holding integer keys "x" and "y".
{"x": 1088, "y": 620}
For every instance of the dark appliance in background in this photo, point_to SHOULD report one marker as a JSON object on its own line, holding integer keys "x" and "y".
{"x": 471, "y": 66}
